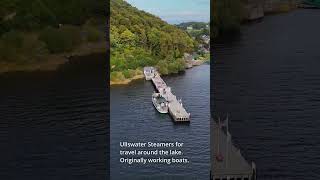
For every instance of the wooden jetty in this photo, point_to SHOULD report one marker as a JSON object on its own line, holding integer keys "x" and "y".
{"x": 176, "y": 109}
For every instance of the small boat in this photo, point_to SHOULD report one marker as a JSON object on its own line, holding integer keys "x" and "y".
{"x": 160, "y": 103}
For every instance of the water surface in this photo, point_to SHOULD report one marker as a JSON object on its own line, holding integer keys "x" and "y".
{"x": 54, "y": 124}
{"x": 268, "y": 80}
{"x": 134, "y": 119}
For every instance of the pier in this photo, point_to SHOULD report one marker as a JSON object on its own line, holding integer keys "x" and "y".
{"x": 176, "y": 109}
{"x": 227, "y": 161}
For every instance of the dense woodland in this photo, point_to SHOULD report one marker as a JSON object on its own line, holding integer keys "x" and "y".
{"x": 30, "y": 30}
{"x": 227, "y": 16}
{"x": 140, "y": 39}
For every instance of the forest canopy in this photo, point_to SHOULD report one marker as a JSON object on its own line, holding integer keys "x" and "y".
{"x": 227, "y": 16}
{"x": 37, "y": 14}
{"x": 31, "y": 30}
{"x": 140, "y": 39}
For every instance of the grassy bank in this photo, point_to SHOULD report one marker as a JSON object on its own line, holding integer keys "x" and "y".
{"x": 125, "y": 76}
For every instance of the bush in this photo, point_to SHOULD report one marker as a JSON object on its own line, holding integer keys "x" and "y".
{"x": 162, "y": 67}
{"x": 33, "y": 49}
{"x": 138, "y": 71}
{"x": 126, "y": 74}
{"x": 10, "y": 44}
{"x": 181, "y": 64}
{"x": 19, "y": 47}
{"x": 61, "y": 40}
{"x": 132, "y": 73}
{"x": 129, "y": 73}
{"x": 93, "y": 34}
{"x": 116, "y": 76}
{"x": 173, "y": 68}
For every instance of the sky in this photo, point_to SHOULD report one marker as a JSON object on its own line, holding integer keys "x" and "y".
{"x": 176, "y": 11}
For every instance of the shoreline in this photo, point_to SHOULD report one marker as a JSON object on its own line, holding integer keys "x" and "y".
{"x": 258, "y": 10}
{"x": 141, "y": 76}
{"x": 126, "y": 81}
{"x": 52, "y": 62}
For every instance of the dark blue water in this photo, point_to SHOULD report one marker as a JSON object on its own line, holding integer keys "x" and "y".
{"x": 134, "y": 119}
{"x": 268, "y": 80}
{"x": 53, "y": 125}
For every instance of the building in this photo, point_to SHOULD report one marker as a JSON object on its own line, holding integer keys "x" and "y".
{"x": 189, "y": 28}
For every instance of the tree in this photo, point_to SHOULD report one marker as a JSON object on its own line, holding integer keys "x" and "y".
{"x": 140, "y": 39}
{"x": 127, "y": 38}
{"x": 61, "y": 40}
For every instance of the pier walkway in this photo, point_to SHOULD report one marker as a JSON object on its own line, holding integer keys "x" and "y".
{"x": 176, "y": 109}
{"x": 227, "y": 161}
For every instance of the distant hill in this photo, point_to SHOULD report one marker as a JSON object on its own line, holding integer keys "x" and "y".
{"x": 141, "y": 39}
{"x": 193, "y": 25}
{"x": 196, "y": 29}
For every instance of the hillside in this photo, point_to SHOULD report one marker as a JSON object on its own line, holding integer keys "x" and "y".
{"x": 39, "y": 34}
{"x": 141, "y": 39}
{"x": 37, "y": 14}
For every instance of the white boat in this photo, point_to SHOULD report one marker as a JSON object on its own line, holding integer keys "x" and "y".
{"x": 160, "y": 103}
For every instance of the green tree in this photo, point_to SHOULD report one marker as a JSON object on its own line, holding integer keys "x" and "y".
{"x": 127, "y": 38}
{"x": 140, "y": 39}
{"x": 61, "y": 40}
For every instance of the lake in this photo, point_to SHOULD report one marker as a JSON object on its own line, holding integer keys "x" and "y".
{"x": 267, "y": 79}
{"x": 134, "y": 119}
{"x": 54, "y": 124}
